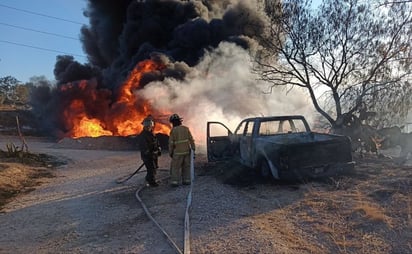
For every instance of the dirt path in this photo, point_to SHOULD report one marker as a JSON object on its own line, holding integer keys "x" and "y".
{"x": 82, "y": 209}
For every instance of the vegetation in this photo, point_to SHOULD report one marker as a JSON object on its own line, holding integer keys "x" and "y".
{"x": 13, "y": 92}
{"x": 16, "y": 94}
{"x": 21, "y": 170}
{"x": 353, "y": 57}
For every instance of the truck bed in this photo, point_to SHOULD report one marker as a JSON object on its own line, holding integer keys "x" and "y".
{"x": 301, "y": 137}
{"x": 310, "y": 154}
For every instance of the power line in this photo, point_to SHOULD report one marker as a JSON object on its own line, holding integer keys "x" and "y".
{"x": 44, "y": 49}
{"x": 38, "y": 31}
{"x": 40, "y": 14}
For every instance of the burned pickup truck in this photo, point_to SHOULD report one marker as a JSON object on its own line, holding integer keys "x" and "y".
{"x": 282, "y": 147}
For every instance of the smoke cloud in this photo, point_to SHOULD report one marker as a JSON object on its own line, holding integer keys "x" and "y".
{"x": 123, "y": 33}
{"x": 221, "y": 88}
{"x": 203, "y": 44}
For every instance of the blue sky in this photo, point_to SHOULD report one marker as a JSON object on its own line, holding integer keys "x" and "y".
{"x": 25, "y": 53}
{"x": 17, "y": 20}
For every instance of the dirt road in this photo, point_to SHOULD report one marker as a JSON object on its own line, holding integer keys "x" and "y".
{"x": 82, "y": 209}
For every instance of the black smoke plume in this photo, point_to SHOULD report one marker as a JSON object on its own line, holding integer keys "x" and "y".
{"x": 122, "y": 33}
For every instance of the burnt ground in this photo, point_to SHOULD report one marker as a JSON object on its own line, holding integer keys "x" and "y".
{"x": 368, "y": 211}
{"x": 235, "y": 211}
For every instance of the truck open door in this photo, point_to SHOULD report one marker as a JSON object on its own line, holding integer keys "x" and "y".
{"x": 219, "y": 142}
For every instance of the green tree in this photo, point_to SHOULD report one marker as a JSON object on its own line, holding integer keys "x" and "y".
{"x": 351, "y": 56}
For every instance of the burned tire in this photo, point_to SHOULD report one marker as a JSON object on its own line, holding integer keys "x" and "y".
{"x": 265, "y": 169}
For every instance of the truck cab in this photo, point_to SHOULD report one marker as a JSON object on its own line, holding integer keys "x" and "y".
{"x": 277, "y": 145}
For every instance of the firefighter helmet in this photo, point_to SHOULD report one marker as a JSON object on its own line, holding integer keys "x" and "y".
{"x": 148, "y": 122}
{"x": 175, "y": 117}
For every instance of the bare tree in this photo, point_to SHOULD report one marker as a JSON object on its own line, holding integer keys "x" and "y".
{"x": 396, "y": 2}
{"x": 8, "y": 87}
{"x": 352, "y": 56}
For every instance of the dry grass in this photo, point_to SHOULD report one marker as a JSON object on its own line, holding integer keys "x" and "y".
{"x": 367, "y": 212}
{"x": 339, "y": 233}
{"x": 279, "y": 228}
{"x": 373, "y": 212}
{"x": 17, "y": 178}
{"x": 354, "y": 220}
{"x": 21, "y": 171}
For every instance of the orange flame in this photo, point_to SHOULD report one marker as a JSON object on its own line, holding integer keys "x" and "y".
{"x": 90, "y": 128}
{"x": 85, "y": 117}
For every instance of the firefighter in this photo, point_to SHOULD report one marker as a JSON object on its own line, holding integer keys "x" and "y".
{"x": 180, "y": 143}
{"x": 149, "y": 150}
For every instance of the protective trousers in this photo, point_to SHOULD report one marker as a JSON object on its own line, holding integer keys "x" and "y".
{"x": 151, "y": 166}
{"x": 180, "y": 169}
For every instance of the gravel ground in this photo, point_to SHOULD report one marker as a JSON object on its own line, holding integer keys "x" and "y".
{"x": 83, "y": 210}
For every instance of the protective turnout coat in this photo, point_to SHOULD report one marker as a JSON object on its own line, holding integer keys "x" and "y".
{"x": 180, "y": 141}
{"x": 149, "y": 150}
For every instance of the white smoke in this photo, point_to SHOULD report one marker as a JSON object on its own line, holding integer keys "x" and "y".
{"x": 220, "y": 88}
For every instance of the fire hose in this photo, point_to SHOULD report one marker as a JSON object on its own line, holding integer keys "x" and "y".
{"x": 125, "y": 178}
{"x": 186, "y": 247}
{"x": 189, "y": 204}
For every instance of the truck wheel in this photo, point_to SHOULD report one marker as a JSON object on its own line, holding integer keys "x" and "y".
{"x": 265, "y": 169}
